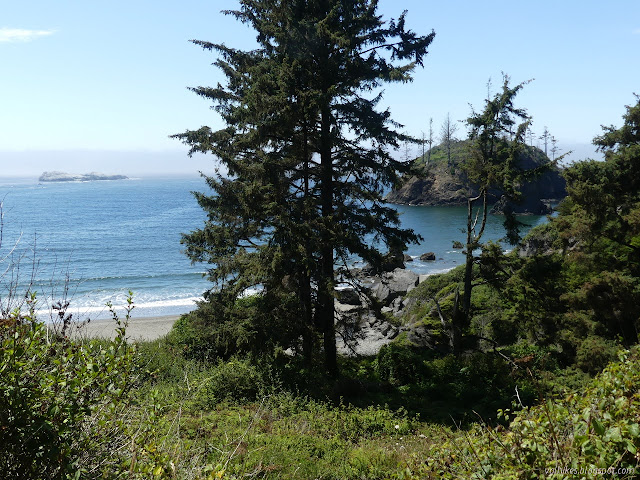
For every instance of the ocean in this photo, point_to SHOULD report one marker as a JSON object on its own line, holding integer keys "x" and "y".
{"x": 92, "y": 242}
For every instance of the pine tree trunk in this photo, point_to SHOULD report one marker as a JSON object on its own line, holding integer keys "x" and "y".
{"x": 468, "y": 266}
{"x": 308, "y": 342}
{"x": 325, "y": 282}
{"x": 307, "y": 309}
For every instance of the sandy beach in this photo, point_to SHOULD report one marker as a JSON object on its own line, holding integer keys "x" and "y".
{"x": 149, "y": 328}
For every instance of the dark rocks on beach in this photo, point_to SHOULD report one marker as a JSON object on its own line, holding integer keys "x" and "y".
{"x": 348, "y": 296}
{"x": 408, "y": 258}
{"x": 427, "y": 257}
{"x": 390, "y": 262}
{"x": 366, "y": 336}
{"x": 361, "y": 329}
{"x": 391, "y": 285}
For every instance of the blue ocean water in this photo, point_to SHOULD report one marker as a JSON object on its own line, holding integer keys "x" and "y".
{"x": 109, "y": 237}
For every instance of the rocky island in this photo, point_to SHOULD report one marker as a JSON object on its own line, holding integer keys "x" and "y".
{"x": 86, "y": 177}
{"x": 439, "y": 181}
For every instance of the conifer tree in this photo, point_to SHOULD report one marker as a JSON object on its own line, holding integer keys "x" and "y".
{"x": 307, "y": 153}
{"x": 447, "y": 136}
{"x": 492, "y": 164}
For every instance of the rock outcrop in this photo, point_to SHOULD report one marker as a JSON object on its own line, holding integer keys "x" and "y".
{"x": 69, "y": 177}
{"x": 392, "y": 285}
{"x": 363, "y": 327}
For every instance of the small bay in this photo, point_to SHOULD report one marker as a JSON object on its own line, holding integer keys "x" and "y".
{"x": 109, "y": 237}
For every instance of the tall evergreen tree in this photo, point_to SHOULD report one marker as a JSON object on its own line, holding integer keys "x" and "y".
{"x": 494, "y": 163}
{"x": 307, "y": 154}
{"x": 546, "y": 136}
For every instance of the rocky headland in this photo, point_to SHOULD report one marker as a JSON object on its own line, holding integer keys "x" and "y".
{"x": 441, "y": 182}
{"x": 70, "y": 177}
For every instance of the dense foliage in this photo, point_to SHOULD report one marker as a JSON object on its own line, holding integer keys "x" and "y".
{"x": 67, "y": 408}
{"x": 570, "y": 290}
{"x": 588, "y": 434}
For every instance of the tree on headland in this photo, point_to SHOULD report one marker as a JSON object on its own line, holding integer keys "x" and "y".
{"x": 546, "y": 136}
{"x": 430, "y": 141}
{"x": 554, "y": 147}
{"x": 530, "y": 135}
{"x": 447, "y": 136}
{"x": 407, "y": 153}
{"x": 308, "y": 158}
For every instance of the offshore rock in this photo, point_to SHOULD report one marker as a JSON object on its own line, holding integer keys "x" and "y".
{"x": 86, "y": 177}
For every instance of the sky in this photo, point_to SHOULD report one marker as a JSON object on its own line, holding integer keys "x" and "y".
{"x": 100, "y": 85}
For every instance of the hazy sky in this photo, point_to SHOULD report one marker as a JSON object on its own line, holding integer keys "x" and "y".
{"x": 100, "y": 85}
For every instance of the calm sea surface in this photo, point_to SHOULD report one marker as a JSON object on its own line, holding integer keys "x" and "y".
{"x": 109, "y": 237}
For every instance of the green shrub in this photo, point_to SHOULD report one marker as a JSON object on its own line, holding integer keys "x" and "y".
{"x": 236, "y": 379}
{"x": 397, "y": 364}
{"x": 256, "y": 325}
{"x": 66, "y": 410}
{"x": 589, "y": 434}
{"x": 594, "y": 353}
{"x": 51, "y": 388}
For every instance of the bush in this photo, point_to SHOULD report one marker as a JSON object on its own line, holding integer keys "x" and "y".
{"x": 590, "y": 434}
{"x": 397, "y": 364}
{"x": 594, "y": 353}
{"x": 235, "y": 379}
{"x": 255, "y": 325}
{"x": 66, "y": 411}
{"x": 51, "y": 388}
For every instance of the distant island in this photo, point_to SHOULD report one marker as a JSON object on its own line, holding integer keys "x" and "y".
{"x": 69, "y": 177}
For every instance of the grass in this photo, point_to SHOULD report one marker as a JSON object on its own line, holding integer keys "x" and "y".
{"x": 281, "y": 434}
{"x": 385, "y": 418}
{"x": 286, "y": 435}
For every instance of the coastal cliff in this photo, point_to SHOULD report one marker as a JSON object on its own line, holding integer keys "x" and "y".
{"x": 86, "y": 177}
{"x": 440, "y": 182}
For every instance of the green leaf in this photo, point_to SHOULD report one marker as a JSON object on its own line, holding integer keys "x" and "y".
{"x": 613, "y": 435}
{"x": 631, "y": 448}
{"x": 588, "y": 448}
{"x": 598, "y": 428}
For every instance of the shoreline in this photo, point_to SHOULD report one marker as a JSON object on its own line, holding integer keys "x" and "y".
{"x": 147, "y": 328}
{"x": 139, "y": 328}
